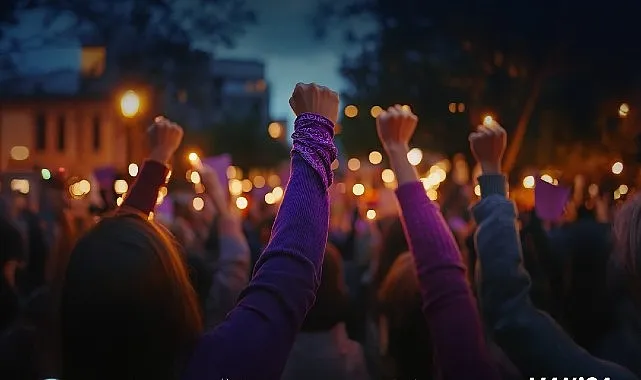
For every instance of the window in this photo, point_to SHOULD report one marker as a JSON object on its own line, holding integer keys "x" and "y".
{"x": 41, "y": 131}
{"x": 62, "y": 127}
{"x": 96, "y": 132}
{"x": 92, "y": 61}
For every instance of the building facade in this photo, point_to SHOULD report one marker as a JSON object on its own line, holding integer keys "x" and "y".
{"x": 72, "y": 118}
{"x": 73, "y": 133}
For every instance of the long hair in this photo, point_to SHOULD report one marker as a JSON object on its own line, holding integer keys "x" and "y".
{"x": 407, "y": 336}
{"x": 331, "y": 299}
{"x": 127, "y": 308}
{"x": 394, "y": 244}
{"x": 400, "y": 290}
{"x": 626, "y": 258}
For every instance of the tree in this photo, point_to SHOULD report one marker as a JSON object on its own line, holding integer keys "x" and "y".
{"x": 494, "y": 57}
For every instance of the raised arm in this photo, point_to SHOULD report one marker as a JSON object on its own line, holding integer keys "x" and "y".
{"x": 165, "y": 137}
{"x": 448, "y": 305}
{"x": 233, "y": 263}
{"x": 530, "y": 338}
{"x": 256, "y": 338}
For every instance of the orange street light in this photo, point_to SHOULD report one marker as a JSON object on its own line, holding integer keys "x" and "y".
{"x": 130, "y": 104}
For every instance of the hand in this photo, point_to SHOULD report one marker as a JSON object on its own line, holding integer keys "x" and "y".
{"x": 602, "y": 208}
{"x": 164, "y": 137}
{"x": 315, "y": 99}
{"x": 488, "y": 146}
{"x": 215, "y": 190}
{"x": 395, "y": 128}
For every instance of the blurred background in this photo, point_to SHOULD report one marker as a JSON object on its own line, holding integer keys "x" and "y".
{"x": 80, "y": 82}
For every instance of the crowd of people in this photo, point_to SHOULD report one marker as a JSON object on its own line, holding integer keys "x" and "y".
{"x": 289, "y": 296}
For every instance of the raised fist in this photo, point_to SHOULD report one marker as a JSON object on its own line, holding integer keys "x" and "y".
{"x": 164, "y": 139}
{"x": 315, "y": 99}
{"x": 488, "y": 145}
{"x": 395, "y": 127}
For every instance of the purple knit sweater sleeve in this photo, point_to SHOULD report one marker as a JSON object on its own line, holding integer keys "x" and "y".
{"x": 255, "y": 340}
{"x": 448, "y": 304}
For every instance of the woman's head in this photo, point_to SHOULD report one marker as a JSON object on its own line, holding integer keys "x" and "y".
{"x": 627, "y": 235}
{"x": 393, "y": 245}
{"x": 127, "y": 306}
{"x": 331, "y": 298}
{"x": 399, "y": 292}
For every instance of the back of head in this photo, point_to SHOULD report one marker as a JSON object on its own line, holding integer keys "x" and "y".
{"x": 393, "y": 245}
{"x": 127, "y": 308}
{"x": 331, "y": 298}
{"x": 399, "y": 292}
{"x": 627, "y": 235}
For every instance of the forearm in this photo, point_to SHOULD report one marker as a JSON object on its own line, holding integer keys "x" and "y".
{"x": 404, "y": 171}
{"x": 143, "y": 194}
{"x": 448, "y": 304}
{"x": 271, "y": 310}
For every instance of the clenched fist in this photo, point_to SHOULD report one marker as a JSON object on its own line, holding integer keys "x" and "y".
{"x": 488, "y": 145}
{"x": 315, "y": 99}
{"x": 395, "y": 127}
{"x": 164, "y": 139}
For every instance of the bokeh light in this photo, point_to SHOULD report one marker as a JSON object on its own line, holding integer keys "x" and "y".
{"x": 358, "y": 189}
{"x": 351, "y": 111}
{"x": 19, "y": 153}
{"x": 354, "y": 164}
{"x": 198, "y": 203}
{"x": 133, "y": 170}
{"x": 242, "y": 203}
{"x": 415, "y": 156}
{"x": 388, "y": 176}
{"x": 375, "y": 157}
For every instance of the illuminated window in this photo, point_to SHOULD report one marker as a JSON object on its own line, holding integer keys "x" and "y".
{"x": 41, "y": 131}
{"x": 62, "y": 131}
{"x": 96, "y": 130}
{"x": 92, "y": 61}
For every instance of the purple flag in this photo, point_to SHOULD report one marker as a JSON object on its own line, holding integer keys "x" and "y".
{"x": 105, "y": 176}
{"x": 550, "y": 200}
{"x": 219, "y": 164}
{"x": 166, "y": 208}
{"x": 259, "y": 194}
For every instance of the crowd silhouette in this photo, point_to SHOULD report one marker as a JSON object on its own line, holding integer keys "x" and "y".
{"x": 292, "y": 296}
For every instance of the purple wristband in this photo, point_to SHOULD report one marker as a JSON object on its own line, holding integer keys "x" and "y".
{"x": 314, "y": 140}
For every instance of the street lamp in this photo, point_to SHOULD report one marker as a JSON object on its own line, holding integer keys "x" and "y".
{"x": 130, "y": 104}
{"x": 129, "y": 107}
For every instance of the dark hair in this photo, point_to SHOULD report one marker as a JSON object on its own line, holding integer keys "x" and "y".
{"x": 331, "y": 299}
{"x": 394, "y": 244}
{"x": 127, "y": 307}
{"x": 626, "y": 257}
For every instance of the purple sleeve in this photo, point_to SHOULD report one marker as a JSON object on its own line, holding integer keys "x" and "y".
{"x": 144, "y": 192}
{"x": 448, "y": 304}
{"x": 255, "y": 340}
